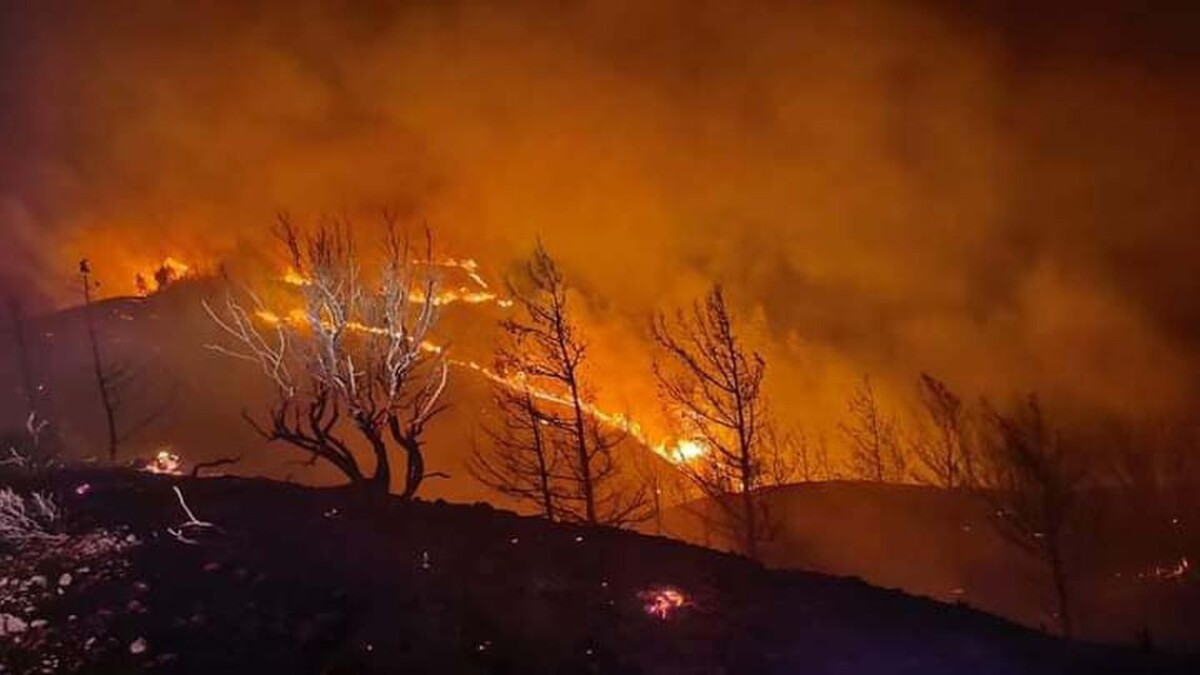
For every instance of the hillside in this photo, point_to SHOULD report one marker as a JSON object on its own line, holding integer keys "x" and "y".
{"x": 296, "y": 579}
{"x": 942, "y": 544}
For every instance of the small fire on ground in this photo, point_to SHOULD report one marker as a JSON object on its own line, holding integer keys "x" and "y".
{"x": 662, "y": 602}
{"x": 165, "y": 462}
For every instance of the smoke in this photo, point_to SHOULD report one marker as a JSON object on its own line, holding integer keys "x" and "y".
{"x": 999, "y": 194}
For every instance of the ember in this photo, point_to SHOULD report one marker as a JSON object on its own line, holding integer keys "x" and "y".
{"x": 165, "y": 462}
{"x": 662, "y": 602}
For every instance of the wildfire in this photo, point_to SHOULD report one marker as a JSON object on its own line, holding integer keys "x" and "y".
{"x": 662, "y": 602}
{"x": 162, "y": 275}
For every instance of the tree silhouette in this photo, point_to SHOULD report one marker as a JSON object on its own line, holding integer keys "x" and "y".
{"x": 1032, "y": 476}
{"x": 543, "y": 349}
{"x": 714, "y": 386}
{"x": 355, "y": 355}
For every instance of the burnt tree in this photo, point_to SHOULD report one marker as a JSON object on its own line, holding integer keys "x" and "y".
{"x": 116, "y": 380}
{"x": 1032, "y": 477}
{"x": 523, "y": 460}
{"x": 713, "y": 385}
{"x": 544, "y": 350}
{"x": 941, "y": 444}
{"x": 352, "y": 359}
{"x": 871, "y": 435}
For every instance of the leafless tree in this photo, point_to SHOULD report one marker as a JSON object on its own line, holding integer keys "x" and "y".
{"x": 1032, "y": 476}
{"x": 115, "y": 380}
{"x": 354, "y": 354}
{"x": 544, "y": 350}
{"x": 523, "y": 461}
{"x": 713, "y": 385}
{"x": 784, "y": 453}
{"x": 871, "y": 433}
{"x": 812, "y": 458}
{"x": 39, "y": 443}
{"x": 941, "y": 444}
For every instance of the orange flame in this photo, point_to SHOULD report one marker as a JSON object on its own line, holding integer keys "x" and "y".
{"x": 465, "y": 294}
{"x": 661, "y": 602}
{"x": 166, "y": 272}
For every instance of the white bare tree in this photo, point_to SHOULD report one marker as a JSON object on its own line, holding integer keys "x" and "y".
{"x": 355, "y": 352}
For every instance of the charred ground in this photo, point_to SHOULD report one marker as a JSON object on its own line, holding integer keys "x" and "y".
{"x": 299, "y": 579}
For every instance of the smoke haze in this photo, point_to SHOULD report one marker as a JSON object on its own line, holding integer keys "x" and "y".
{"x": 1001, "y": 194}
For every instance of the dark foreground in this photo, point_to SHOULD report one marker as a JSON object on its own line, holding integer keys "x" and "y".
{"x": 299, "y": 580}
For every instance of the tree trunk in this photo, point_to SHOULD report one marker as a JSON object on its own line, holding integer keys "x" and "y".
{"x": 414, "y": 473}
{"x": 540, "y": 449}
{"x": 1062, "y": 592}
{"x": 381, "y": 481}
{"x": 585, "y": 463}
{"x": 98, "y": 368}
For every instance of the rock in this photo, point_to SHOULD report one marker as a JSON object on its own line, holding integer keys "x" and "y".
{"x": 12, "y": 625}
{"x": 39, "y": 580}
{"x": 65, "y": 579}
{"x": 138, "y": 646}
{"x": 38, "y": 623}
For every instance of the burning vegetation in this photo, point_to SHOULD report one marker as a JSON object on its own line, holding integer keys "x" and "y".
{"x": 692, "y": 273}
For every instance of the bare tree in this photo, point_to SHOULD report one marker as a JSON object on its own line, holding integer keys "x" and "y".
{"x": 523, "y": 460}
{"x": 871, "y": 433}
{"x": 941, "y": 442}
{"x": 1032, "y": 477}
{"x": 355, "y": 353}
{"x": 40, "y": 442}
{"x": 786, "y": 455}
{"x": 714, "y": 386}
{"x": 115, "y": 380}
{"x": 811, "y": 458}
{"x": 544, "y": 350}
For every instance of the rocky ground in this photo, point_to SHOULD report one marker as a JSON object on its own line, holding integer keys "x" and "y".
{"x": 270, "y": 577}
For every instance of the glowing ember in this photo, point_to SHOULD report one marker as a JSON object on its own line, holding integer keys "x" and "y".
{"x": 1176, "y": 571}
{"x": 662, "y": 602}
{"x": 165, "y": 462}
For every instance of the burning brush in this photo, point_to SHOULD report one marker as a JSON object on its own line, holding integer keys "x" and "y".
{"x": 662, "y": 602}
{"x": 164, "y": 462}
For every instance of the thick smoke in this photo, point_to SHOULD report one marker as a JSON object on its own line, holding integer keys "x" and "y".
{"x": 1003, "y": 196}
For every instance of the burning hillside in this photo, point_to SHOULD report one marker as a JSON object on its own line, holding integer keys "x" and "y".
{"x": 606, "y": 263}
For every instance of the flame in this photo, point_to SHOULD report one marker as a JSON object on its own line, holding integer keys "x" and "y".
{"x": 161, "y": 275}
{"x": 165, "y": 462}
{"x": 480, "y": 294}
{"x": 661, "y": 602}
{"x": 685, "y": 450}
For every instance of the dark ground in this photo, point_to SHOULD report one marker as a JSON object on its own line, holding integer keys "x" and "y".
{"x": 318, "y": 580}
